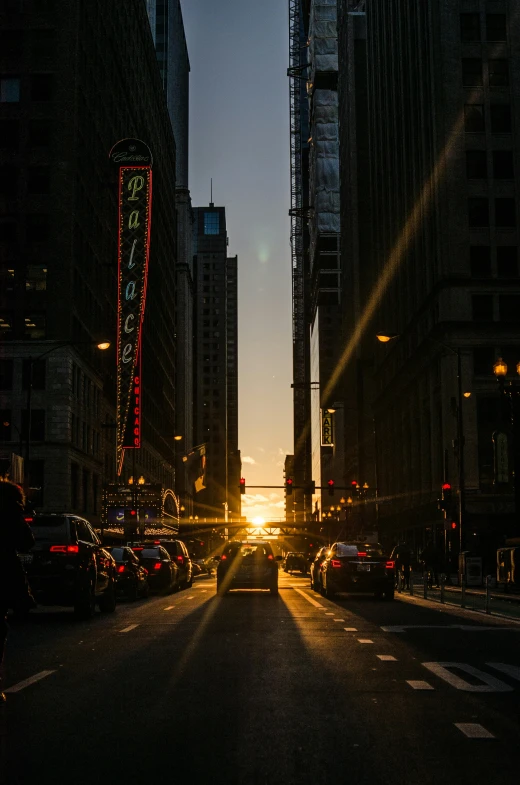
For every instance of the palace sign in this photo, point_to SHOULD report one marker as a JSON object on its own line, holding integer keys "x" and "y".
{"x": 133, "y": 160}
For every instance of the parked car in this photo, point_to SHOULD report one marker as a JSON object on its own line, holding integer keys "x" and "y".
{"x": 358, "y": 567}
{"x": 69, "y": 566}
{"x": 179, "y": 554}
{"x": 163, "y": 573}
{"x": 249, "y": 565}
{"x": 315, "y": 568}
{"x": 296, "y": 561}
{"x": 132, "y": 577}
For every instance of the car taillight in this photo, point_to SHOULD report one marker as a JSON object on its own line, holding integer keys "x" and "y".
{"x": 390, "y": 565}
{"x": 64, "y": 549}
{"x": 121, "y": 568}
{"x": 223, "y": 557}
{"x": 362, "y": 553}
{"x": 157, "y": 565}
{"x": 180, "y": 559}
{"x": 29, "y": 519}
{"x": 137, "y": 549}
{"x": 270, "y": 557}
{"x": 335, "y": 563}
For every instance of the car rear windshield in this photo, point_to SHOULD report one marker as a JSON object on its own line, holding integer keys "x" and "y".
{"x": 150, "y": 553}
{"x": 117, "y": 553}
{"x": 171, "y": 547}
{"x": 356, "y": 548}
{"x": 255, "y": 551}
{"x": 50, "y": 527}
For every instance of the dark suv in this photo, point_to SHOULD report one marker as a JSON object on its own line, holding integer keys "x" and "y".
{"x": 69, "y": 566}
{"x": 179, "y": 554}
{"x": 247, "y": 565}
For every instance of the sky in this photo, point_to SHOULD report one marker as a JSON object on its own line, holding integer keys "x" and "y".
{"x": 239, "y": 136}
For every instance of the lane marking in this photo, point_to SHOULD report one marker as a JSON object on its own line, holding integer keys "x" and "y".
{"x": 329, "y": 613}
{"x": 465, "y": 627}
{"x": 509, "y": 670}
{"x": 309, "y": 599}
{"x": 131, "y": 627}
{"x": 364, "y": 640}
{"x": 419, "y": 685}
{"x": 339, "y": 619}
{"x": 490, "y": 683}
{"x": 169, "y": 608}
{"x": 191, "y": 598}
{"x": 472, "y": 730}
{"x": 350, "y": 629}
{"x": 386, "y": 658}
{"x": 31, "y": 680}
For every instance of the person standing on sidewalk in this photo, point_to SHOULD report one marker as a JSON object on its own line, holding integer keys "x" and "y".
{"x": 15, "y": 535}
{"x": 433, "y": 559}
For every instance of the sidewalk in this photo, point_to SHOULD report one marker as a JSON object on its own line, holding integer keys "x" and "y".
{"x": 477, "y": 598}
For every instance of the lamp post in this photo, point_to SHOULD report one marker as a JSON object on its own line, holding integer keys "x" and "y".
{"x": 101, "y": 345}
{"x": 385, "y": 338}
{"x": 511, "y": 392}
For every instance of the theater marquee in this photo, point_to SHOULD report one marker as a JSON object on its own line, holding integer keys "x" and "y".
{"x": 133, "y": 160}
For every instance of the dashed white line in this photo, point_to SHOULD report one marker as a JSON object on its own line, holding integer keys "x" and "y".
{"x": 329, "y": 614}
{"x": 350, "y": 629}
{"x": 364, "y": 640}
{"x": 131, "y": 627}
{"x": 472, "y": 730}
{"x": 419, "y": 685}
{"x": 339, "y": 619}
{"x": 310, "y": 599}
{"x": 386, "y": 658}
{"x": 169, "y": 608}
{"x": 27, "y": 682}
{"x": 191, "y": 598}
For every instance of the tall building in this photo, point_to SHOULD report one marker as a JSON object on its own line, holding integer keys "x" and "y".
{"x": 172, "y": 55}
{"x": 443, "y": 114}
{"x": 216, "y": 364}
{"x": 68, "y": 72}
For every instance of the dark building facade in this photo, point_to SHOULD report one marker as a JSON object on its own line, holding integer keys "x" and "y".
{"x": 216, "y": 364}
{"x": 68, "y": 76}
{"x": 443, "y": 110}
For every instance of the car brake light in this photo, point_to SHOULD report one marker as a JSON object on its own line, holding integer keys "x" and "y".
{"x": 335, "y": 563}
{"x": 121, "y": 568}
{"x": 137, "y": 549}
{"x": 29, "y": 519}
{"x": 270, "y": 557}
{"x": 64, "y": 549}
{"x": 180, "y": 559}
{"x": 223, "y": 557}
{"x": 157, "y": 565}
{"x": 362, "y": 553}
{"x": 390, "y": 565}
{"x": 156, "y": 542}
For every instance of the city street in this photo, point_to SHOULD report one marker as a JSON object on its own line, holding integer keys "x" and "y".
{"x": 254, "y": 688}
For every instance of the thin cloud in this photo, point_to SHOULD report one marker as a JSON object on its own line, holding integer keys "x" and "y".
{"x": 248, "y": 459}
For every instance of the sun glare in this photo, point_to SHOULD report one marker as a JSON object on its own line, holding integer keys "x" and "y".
{"x": 258, "y": 521}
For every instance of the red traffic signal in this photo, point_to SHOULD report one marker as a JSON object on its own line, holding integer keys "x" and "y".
{"x": 453, "y": 525}
{"x": 242, "y": 485}
{"x": 446, "y": 486}
{"x": 288, "y": 486}
{"x": 330, "y": 483}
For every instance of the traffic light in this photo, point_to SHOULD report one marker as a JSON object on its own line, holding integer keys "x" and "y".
{"x": 130, "y": 517}
{"x": 446, "y": 497}
{"x": 330, "y": 483}
{"x": 242, "y": 485}
{"x": 311, "y": 488}
{"x": 288, "y": 486}
{"x": 453, "y": 525}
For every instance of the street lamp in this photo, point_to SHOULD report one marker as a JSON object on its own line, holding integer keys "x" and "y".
{"x": 385, "y": 338}
{"x": 511, "y": 392}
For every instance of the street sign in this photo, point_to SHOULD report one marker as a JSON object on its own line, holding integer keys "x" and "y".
{"x": 327, "y": 428}
{"x": 500, "y": 448}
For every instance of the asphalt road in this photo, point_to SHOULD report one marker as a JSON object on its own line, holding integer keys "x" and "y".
{"x": 253, "y": 689}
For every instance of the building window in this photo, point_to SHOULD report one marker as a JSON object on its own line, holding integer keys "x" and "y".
{"x": 6, "y": 374}
{"x": 74, "y": 485}
{"x": 472, "y": 72}
{"x": 38, "y": 180}
{"x": 480, "y": 261}
{"x": 36, "y": 482}
{"x": 482, "y": 307}
{"x": 509, "y": 308}
{"x": 9, "y": 89}
{"x": 35, "y": 326}
{"x": 470, "y": 27}
{"x": 9, "y": 180}
{"x": 496, "y": 29}
{"x": 5, "y": 425}
{"x": 503, "y": 166}
{"x": 211, "y": 223}
{"x": 476, "y": 164}
{"x": 11, "y": 43}
{"x": 500, "y": 118}
{"x": 498, "y": 73}
{"x": 37, "y": 424}
{"x": 505, "y": 212}
{"x": 478, "y": 211}
{"x": 507, "y": 261}
{"x": 41, "y": 87}
{"x": 85, "y": 490}
{"x": 38, "y": 374}
{"x": 474, "y": 118}
{"x": 6, "y": 326}
{"x": 483, "y": 360}
{"x": 9, "y": 134}
{"x": 95, "y": 484}
{"x": 43, "y": 43}
{"x": 36, "y": 278}
{"x": 38, "y": 227}
{"x": 39, "y": 133}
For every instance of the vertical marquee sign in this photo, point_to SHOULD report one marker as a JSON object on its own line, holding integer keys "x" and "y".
{"x": 133, "y": 160}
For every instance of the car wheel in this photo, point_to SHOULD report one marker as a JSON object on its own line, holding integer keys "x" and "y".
{"x": 85, "y": 603}
{"x": 329, "y": 593}
{"x": 312, "y": 585}
{"x": 107, "y": 603}
{"x": 389, "y": 595}
{"x": 189, "y": 584}
{"x": 132, "y": 592}
{"x": 274, "y": 589}
{"x": 146, "y": 591}
{"x": 378, "y": 595}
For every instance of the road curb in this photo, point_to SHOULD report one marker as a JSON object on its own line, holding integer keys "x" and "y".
{"x": 456, "y": 610}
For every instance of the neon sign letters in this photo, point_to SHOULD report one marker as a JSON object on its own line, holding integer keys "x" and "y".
{"x": 134, "y": 162}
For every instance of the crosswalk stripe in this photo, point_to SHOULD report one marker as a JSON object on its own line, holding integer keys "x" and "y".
{"x": 509, "y": 670}
{"x": 339, "y": 619}
{"x": 27, "y": 682}
{"x": 386, "y": 658}
{"x": 472, "y": 730}
{"x": 419, "y": 685}
{"x": 364, "y": 640}
{"x": 131, "y": 627}
{"x": 350, "y": 629}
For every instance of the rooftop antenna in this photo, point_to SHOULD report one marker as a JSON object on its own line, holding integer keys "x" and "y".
{"x": 211, "y": 197}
